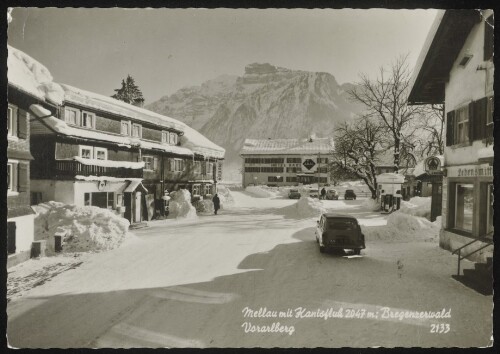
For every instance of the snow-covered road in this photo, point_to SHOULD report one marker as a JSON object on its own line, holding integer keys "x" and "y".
{"x": 190, "y": 283}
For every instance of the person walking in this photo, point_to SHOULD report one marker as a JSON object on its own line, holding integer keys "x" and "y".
{"x": 216, "y": 202}
{"x": 323, "y": 193}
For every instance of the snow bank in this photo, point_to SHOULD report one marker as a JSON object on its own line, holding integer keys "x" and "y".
{"x": 417, "y": 206}
{"x": 303, "y": 208}
{"x": 225, "y": 196}
{"x": 401, "y": 227}
{"x": 84, "y": 228}
{"x": 180, "y": 205}
{"x": 258, "y": 191}
{"x": 371, "y": 204}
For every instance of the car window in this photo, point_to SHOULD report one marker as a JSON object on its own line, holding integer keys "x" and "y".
{"x": 342, "y": 224}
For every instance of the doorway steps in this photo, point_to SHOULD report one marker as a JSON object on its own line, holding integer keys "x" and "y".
{"x": 479, "y": 278}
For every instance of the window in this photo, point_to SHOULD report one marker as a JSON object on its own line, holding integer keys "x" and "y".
{"x": 111, "y": 200}
{"x": 164, "y": 137}
{"x": 10, "y": 121}
{"x": 275, "y": 179}
{"x": 88, "y": 120}
{"x": 323, "y": 169}
{"x": 173, "y": 139}
{"x": 252, "y": 169}
{"x": 462, "y": 125}
{"x": 208, "y": 189}
{"x": 86, "y": 152}
{"x": 71, "y": 116}
{"x": 196, "y": 189}
{"x": 177, "y": 164}
{"x": 86, "y": 199}
{"x": 10, "y": 177}
{"x": 136, "y": 130}
{"x": 197, "y": 167}
{"x": 489, "y": 111}
{"x": 104, "y": 200}
{"x": 323, "y": 160}
{"x": 252, "y": 160}
{"x": 488, "y": 38}
{"x": 293, "y": 160}
{"x": 150, "y": 163}
{"x": 125, "y": 128}
{"x": 464, "y": 202}
{"x": 272, "y": 169}
{"x": 101, "y": 153}
{"x": 291, "y": 179}
{"x": 210, "y": 167}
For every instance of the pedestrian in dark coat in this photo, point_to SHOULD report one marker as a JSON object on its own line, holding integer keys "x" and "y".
{"x": 216, "y": 202}
{"x": 323, "y": 193}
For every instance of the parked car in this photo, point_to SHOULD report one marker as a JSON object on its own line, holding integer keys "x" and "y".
{"x": 338, "y": 231}
{"x": 349, "y": 194}
{"x": 332, "y": 194}
{"x": 313, "y": 193}
{"x": 294, "y": 194}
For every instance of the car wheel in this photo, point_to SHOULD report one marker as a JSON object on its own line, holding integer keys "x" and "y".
{"x": 357, "y": 251}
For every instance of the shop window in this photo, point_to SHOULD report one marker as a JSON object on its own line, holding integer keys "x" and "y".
{"x": 464, "y": 203}
{"x": 111, "y": 200}
{"x": 86, "y": 199}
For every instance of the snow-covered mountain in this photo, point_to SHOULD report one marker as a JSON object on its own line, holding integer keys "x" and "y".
{"x": 266, "y": 102}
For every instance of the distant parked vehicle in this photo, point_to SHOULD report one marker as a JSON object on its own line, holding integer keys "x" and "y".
{"x": 349, "y": 194}
{"x": 294, "y": 194}
{"x": 332, "y": 194}
{"x": 337, "y": 231}
{"x": 313, "y": 193}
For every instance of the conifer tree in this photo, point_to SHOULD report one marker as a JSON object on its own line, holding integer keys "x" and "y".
{"x": 129, "y": 92}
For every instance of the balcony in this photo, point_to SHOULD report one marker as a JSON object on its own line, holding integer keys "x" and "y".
{"x": 68, "y": 169}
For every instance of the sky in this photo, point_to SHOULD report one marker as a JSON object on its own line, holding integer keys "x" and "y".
{"x": 168, "y": 49}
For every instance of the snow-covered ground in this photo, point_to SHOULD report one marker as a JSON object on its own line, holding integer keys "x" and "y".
{"x": 196, "y": 282}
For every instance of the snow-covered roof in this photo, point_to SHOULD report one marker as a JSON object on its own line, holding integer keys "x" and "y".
{"x": 111, "y": 105}
{"x": 59, "y": 126}
{"x": 28, "y": 75}
{"x": 110, "y": 163}
{"x": 287, "y": 146}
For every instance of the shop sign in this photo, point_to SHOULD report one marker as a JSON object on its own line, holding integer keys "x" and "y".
{"x": 470, "y": 171}
{"x": 433, "y": 166}
{"x": 309, "y": 164}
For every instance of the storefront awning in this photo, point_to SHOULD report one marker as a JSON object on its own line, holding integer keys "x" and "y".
{"x": 134, "y": 185}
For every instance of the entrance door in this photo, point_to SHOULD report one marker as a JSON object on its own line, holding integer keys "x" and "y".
{"x": 137, "y": 207}
{"x": 11, "y": 237}
{"x": 127, "y": 201}
{"x": 436, "y": 200}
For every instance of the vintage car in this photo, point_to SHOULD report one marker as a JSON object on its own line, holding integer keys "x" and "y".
{"x": 294, "y": 194}
{"x": 332, "y": 194}
{"x": 349, "y": 194}
{"x": 338, "y": 231}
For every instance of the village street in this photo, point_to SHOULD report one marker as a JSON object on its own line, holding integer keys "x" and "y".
{"x": 196, "y": 283}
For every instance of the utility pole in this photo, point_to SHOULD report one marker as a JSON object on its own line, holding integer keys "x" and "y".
{"x": 319, "y": 173}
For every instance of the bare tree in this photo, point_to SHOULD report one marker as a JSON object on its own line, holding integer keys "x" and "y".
{"x": 431, "y": 128}
{"x": 385, "y": 99}
{"x": 357, "y": 148}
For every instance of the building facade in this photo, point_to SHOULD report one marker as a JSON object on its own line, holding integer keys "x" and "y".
{"x": 286, "y": 162}
{"x": 456, "y": 68}
{"x": 89, "y": 149}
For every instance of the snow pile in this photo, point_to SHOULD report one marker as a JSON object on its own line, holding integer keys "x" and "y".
{"x": 303, "y": 208}
{"x": 180, "y": 205}
{"x": 258, "y": 191}
{"x": 84, "y": 228}
{"x": 417, "y": 206}
{"x": 29, "y": 75}
{"x": 401, "y": 227}
{"x": 204, "y": 206}
{"x": 371, "y": 204}
{"x": 225, "y": 196}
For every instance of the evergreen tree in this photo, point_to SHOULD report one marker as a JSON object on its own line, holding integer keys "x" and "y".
{"x": 129, "y": 92}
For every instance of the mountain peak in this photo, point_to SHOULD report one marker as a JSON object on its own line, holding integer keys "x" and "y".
{"x": 257, "y": 68}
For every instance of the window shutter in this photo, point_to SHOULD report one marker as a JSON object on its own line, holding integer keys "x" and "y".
{"x": 155, "y": 163}
{"x": 22, "y": 177}
{"x": 22, "y": 124}
{"x": 450, "y": 117}
{"x": 14, "y": 121}
{"x": 480, "y": 122}
{"x": 472, "y": 121}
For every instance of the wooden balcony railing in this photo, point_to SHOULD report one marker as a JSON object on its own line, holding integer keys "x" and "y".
{"x": 69, "y": 169}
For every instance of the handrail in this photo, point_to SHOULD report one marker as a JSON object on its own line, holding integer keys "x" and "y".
{"x": 479, "y": 249}
{"x": 467, "y": 244}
